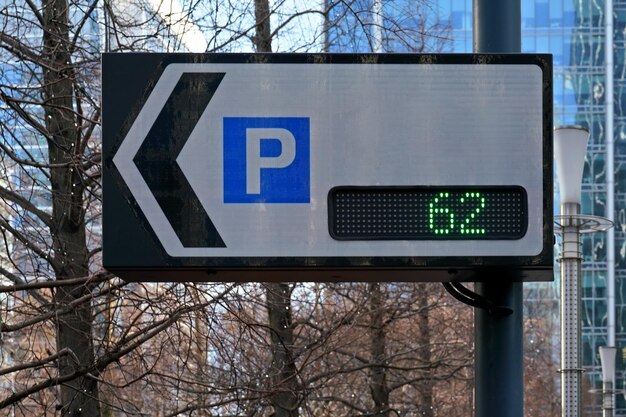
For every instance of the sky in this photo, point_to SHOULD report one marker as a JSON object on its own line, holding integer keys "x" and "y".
{"x": 300, "y": 34}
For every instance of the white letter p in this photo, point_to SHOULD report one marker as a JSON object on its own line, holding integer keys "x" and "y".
{"x": 255, "y": 162}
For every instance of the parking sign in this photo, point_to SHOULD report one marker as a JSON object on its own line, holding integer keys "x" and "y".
{"x": 300, "y": 167}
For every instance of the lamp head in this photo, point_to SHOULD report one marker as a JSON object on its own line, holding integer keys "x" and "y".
{"x": 607, "y": 360}
{"x": 570, "y": 147}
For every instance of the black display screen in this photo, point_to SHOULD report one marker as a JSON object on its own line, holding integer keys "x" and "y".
{"x": 428, "y": 213}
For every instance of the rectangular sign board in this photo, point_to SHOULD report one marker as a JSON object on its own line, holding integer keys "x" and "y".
{"x": 327, "y": 167}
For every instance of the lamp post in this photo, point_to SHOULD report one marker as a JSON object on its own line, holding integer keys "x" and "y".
{"x": 607, "y": 360}
{"x": 570, "y": 147}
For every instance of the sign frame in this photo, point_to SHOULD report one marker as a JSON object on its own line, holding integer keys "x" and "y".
{"x": 132, "y": 250}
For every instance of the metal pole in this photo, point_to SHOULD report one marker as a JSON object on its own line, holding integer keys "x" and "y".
{"x": 499, "y": 354}
{"x": 608, "y": 399}
{"x": 497, "y": 26}
{"x": 607, "y": 360}
{"x": 610, "y": 168}
{"x": 499, "y": 339}
{"x": 570, "y": 312}
{"x": 609, "y": 138}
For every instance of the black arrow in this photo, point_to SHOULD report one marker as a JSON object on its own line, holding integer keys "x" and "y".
{"x": 156, "y": 160}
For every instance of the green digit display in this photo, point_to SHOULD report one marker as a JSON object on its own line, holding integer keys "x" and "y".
{"x": 443, "y": 209}
{"x": 438, "y": 211}
{"x": 428, "y": 212}
{"x": 476, "y": 202}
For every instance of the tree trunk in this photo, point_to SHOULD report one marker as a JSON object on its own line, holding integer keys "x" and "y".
{"x": 263, "y": 36}
{"x": 425, "y": 385}
{"x": 284, "y": 378}
{"x": 378, "y": 373}
{"x": 200, "y": 351}
{"x": 79, "y": 397}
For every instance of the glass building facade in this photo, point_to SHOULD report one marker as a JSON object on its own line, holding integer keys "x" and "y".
{"x": 574, "y": 31}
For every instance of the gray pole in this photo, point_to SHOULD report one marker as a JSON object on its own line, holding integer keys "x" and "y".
{"x": 499, "y": 339}
{"x": 608, "y": 399}
{"x": 570, "y": 312}
{"x": 607, "y": 360}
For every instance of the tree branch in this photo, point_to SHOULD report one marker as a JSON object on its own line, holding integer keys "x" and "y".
{"x": 19, "y": 236}
{"x": 25, "y": 204}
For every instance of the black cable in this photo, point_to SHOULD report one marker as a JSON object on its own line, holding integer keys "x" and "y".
{"x": 469, "y": 297}
{"x": 453, "y": 291}
{"x": 495, "y": 309}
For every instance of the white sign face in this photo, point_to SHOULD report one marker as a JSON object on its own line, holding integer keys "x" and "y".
{"x": 275, "y": 139}
{"x": 249, "y": 166}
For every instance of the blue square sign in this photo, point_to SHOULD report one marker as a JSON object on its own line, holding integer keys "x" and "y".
{"x": 267, "y": 160}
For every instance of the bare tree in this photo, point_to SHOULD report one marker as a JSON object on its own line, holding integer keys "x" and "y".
{"x": 90, "y": 344}
{"x": 541, "y": 352}
{"x": 54, "y": 105}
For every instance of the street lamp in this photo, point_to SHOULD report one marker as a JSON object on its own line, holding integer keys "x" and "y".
{"x": 607, "y": 360}
{"x": 570, "y": 147}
